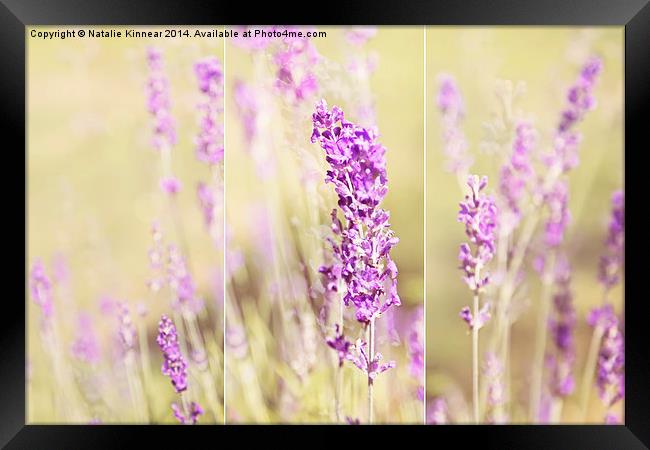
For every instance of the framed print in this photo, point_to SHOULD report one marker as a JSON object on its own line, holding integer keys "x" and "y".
{"x": 386, "y": 218}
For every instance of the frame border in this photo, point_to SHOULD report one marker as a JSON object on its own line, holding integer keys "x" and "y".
{"x": 634, "y": 15}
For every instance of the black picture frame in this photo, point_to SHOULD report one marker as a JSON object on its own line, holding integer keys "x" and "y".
{"x": 634, "y": 15}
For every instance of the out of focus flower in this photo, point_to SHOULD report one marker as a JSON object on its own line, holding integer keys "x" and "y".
{"x": 171, "y": 185}
{"x": 156, "y": 258}
{"x": 209, "y": 142}
{"x": 557, "y": 202}
{"x": 416, "y": 351}
{"x": 452, "y": 109}
{"x": 516, "y": 174}
{"x": 611, "y": 362}
{"x": 580, "y": 100}
{"x": 580, "y": 97}
{"x": 295, "y": 60}
{"x": 260, "y": 37}
{"x": 107, "y": 305}
{"x": 611, "y": 262}
{"x": 564, "y": 155}
{"x": 247, "y": 107}
{"x": 41, "y": 289}
{"x": 85, "y": 347}
{"x": 437, "y": 411}
{"x": 360, "y": 35}
{"x": 180, "y": 281}
{"x": 193, "y": 414}
{"x": 610, "y": 371}
{"x": 493, "y": 372}
{"x": 126, "y": 329}
{"x": 206, "y": 201}
{"x": 174, "y": 365}
{"x": 169, "y": 267}
{"x": 562, "y": 325}
{"x": 158, "y": 102}
{"x": 603, "y": 317}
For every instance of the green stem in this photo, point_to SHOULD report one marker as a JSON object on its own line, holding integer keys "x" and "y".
{"x": 540, "y": 339}
{"x": 475, "y": 375}
{"x": 590, "y": 368}
{"x": 339, "y": 372}
{"x": 371, "y": 356}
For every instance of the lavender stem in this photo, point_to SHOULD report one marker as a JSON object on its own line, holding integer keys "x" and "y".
{"x": 540, "y": 339}
{"x": 475, "y": 375}
{"x": 371, "y": 355}
{"x": 590, "y": 369}
{"x": 339, "y": 371}
{"x": 144, "y": 362}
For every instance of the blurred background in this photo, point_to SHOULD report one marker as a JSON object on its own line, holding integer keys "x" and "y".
{"x": 279, "y": 368}
{"x": 92, "y": 196}
{"x": 547, "y": 61}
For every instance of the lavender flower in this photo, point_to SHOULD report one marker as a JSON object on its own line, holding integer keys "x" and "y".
{"x": 247, "y": 108}
{"x": 295, "y": 60}
{"x": 85, "y": 347}
{"x": 478, "y": 213}
{"x": 557, "y": 202}
{"x": 452, "y": 109}
{"x": 449, "y": 98}
{"x": 340, "y": 344}
{"x": 126, "y": 329}
{"x": 580, "y": 100}
{"x": 611, "y": 362}
{"x": 171, "y": 185}
{"x": 372, "y": 367}
{"x": 360, "y": 35}
{"x": 192, "y": 418}
{"x": 562, "y": 326}
{"x": 174, "y": 365}
{"x": 41, "y": 289}
{"x": 358, "y": 172}
{"x": 158, "y": 103}
{"x": 580, "y": 96}
{"x": 516, "y": 174}
{"x": 610, "y": 263}
{"x": 181, "y": 282}
{"x": 156, "y": 258}
{"x": 257, "y": 41}
{"x": 206, "y": 201}
{"x": 209, "y": 142}
{"x": 610, "y": 376}
{"x": 603, "y": 317}
{"x": 483, "y": 316}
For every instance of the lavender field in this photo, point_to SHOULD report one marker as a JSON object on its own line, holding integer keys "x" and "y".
{"x": 384, "y": 225}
